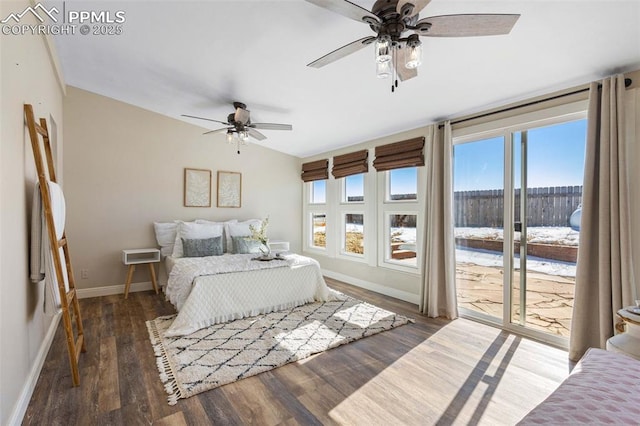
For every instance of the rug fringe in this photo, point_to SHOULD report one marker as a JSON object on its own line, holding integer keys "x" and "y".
{"x": 164, "y": 366}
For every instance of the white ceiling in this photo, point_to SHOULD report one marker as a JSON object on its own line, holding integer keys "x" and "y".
{"x": 196, "y": 57}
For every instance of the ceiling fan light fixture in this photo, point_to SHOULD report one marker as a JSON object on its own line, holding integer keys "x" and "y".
{"x": 413, "y": 52}
{"x": 383, "y": 69}
{"x": 230, "y": 138}
{"x": 383, "y": 50}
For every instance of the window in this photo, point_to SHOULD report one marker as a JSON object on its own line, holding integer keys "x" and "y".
{"x": 353, "y": 189}
{"x": 386, "y": 203}
{"x": 402, "y": 184}
{"x": 353, "y": 239}
{"x": 319, "y": 230}
{"x": 318, "y": 191}
{"x": 400, "y": 210}
{"x": 401, "y": 239}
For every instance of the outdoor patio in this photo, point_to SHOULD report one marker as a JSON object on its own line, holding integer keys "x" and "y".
{"x": 549, "y": 297}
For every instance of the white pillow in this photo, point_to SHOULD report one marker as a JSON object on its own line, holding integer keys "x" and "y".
{"x": 241, "y": 229}
{"x": 194, "y": 230}
{"x": 226, "y": 240}
{"x": 165, "y": 236}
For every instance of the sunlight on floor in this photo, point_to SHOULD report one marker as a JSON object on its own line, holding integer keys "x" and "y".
{"x": 456, "y": 377}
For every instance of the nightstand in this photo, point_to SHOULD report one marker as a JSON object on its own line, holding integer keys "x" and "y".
{"x": 277, "y": 247}
{"x": 629, "y": 341}
{"x": 140, "y": 257}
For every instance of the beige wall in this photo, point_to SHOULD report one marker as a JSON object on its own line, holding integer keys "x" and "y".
{"x": 124, "y": 168}
{"x": 27, "y": 77}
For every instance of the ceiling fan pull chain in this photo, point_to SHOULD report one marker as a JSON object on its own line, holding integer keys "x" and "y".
{"x": 393, "y": 53}
{"x": 394, "y": 83}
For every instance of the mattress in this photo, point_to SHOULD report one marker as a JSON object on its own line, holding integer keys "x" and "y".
{"x": 208, "y": 299}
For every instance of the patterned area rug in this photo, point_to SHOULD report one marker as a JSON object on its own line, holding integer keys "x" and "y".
{"x": 224, "y": 353}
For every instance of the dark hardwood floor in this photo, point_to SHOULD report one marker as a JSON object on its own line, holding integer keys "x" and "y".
{"x": 431, "y": 372}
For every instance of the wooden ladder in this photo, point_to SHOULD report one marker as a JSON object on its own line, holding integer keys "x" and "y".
{"x": 67, "y": 299}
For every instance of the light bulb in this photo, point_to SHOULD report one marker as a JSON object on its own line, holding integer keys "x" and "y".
{"x": 383, "y": 69}
{"x": 383, "y": 50}
{"x": 229, "y": 136}
{"x": 413, "y": 52}
{"x": 244, "y": 136}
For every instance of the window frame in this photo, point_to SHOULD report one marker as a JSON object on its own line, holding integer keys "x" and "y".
{"x": 387, "y": 186}
{"x": 386, "y": 208}
{"x": 342, "y": 250}
{"x": 343, "y": 189}
{"x": 311, "y": 193}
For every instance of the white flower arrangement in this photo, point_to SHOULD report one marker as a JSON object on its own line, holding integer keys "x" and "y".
{"x": 261, "y": 234}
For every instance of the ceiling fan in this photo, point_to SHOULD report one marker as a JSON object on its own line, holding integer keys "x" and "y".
{"x": 392, "y": 19}
{"x": 240, "y": 127}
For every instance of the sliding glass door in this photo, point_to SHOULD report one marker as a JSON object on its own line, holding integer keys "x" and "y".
{"x": 517, "y": 200}
{"x": 479, "y": 223}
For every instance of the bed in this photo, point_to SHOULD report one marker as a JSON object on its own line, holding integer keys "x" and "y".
{"x": 603, "y": 388}
{"x": 233, "y": 284}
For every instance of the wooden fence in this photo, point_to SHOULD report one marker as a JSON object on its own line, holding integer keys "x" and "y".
{"x": 550, "y": 206}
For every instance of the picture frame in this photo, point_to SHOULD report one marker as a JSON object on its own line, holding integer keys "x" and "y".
{"x": 197, "y": 187}
{"x": 229, "y": 189}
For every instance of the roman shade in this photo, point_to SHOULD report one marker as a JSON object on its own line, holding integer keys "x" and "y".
{"x": 315, "y": 170}
{"x": 350, "y": 164}
{"x": 397, "y": 155}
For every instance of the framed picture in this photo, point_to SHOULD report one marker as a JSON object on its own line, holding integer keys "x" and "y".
{"x": 197, "y": 188}
{"x": 229, "y": 189}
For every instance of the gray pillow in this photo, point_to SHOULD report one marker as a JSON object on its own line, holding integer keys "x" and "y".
{"x": 245, "y": 245}
{"x": 202, "y": 247}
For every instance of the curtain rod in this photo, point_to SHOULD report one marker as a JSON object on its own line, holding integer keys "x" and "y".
{"x": 627, "y": 83}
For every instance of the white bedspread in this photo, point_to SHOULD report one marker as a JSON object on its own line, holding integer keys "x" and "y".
{"x": 210, "y": 290}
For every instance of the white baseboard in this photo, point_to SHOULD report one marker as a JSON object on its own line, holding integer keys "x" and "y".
{"x": 22, "y": 404}
{"x": 387, "y": 291}
{"x": 85, "y": 293}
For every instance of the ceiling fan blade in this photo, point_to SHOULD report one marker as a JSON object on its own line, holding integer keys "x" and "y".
{"x": 348, "y": 9}
{"x": 271, "y": 126}
{"x": 418, "y": 5}
{"x": 217, "y": 130}
{"x": 467, "y": 25}
{"x": 202, "y": 118}
{"x": 406, "y": 73}
{"x": 255, "y": 134}
{"x": 341, "y": 52}
{"x": 241, "y": 116}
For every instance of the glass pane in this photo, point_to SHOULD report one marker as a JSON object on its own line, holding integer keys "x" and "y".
{"x": 403, "y": 184}
{"x": 354, "y": 188}
{"x": 319, "y": 223}
{"x": 402, "y": 238}
{"x": 550, "y": 231}
{"x": 354, "y": 233}
{"x": 318, "y": 192}
{"x": 478, "y": 170}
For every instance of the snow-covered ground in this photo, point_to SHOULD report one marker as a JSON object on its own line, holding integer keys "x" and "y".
{"x": 537, "y": 264}
{"x": 536, "y": 234}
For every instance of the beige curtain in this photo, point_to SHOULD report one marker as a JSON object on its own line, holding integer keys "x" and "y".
{"x": 604, "y": 275}
{"x": 438, "y": 291}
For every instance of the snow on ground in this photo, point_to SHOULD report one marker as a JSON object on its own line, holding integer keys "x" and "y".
{"x": 562, "y": 235}
{"x": 537, "y": 264}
